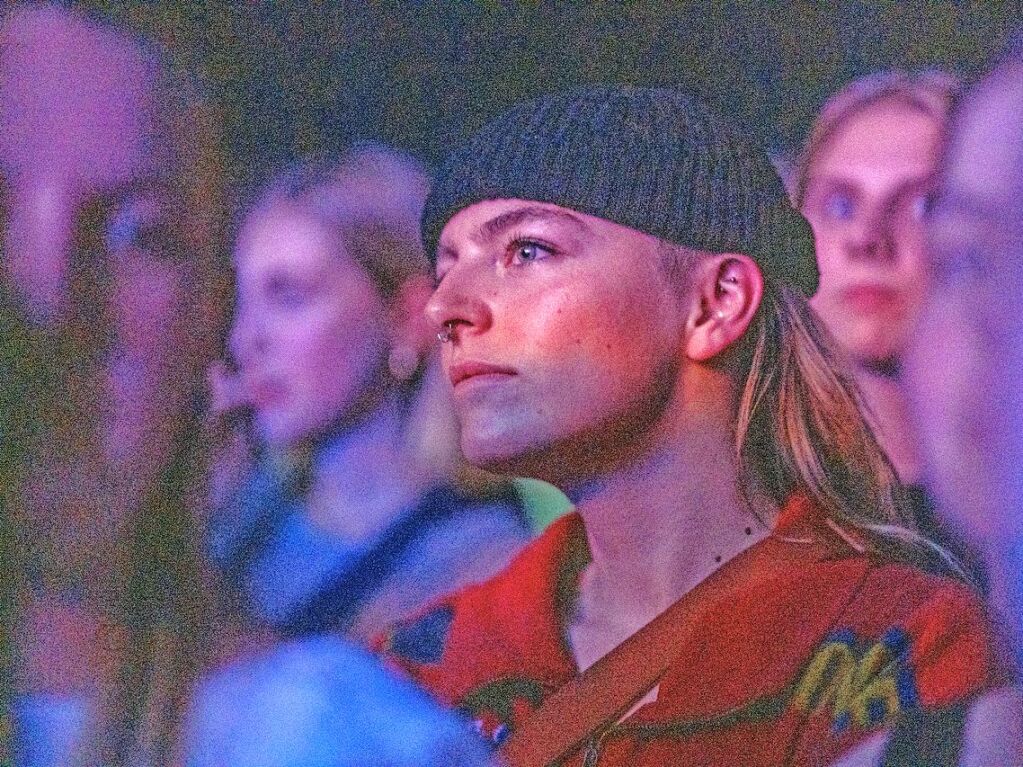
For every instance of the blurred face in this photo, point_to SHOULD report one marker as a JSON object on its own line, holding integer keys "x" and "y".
{"x": 77, "y": 122}
{"x": 865, "y": 198}
{"x": 82, "y": 161}
{"x": 310, "y": 332}
{"x": 566, "y": 337}
{"x": 963, "y": 368}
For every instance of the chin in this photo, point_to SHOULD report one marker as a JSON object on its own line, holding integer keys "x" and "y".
{"x": 497, "y": 458}
{"x": 548, "y": 460}
{"x": 504, "y": 454}
{"x": 279, "y": 433}
{"x": 874, "y": 350}
{"x": 879, "y": 341}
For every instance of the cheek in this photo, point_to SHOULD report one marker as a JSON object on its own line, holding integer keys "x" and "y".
{"x": 945, "y": 374}
{"x": 148, "y": 303}
{"x": 1003, "y": 384}
{"x": 37, "y": 246}
{"x": 831, "y": 242}
{"x": 597, "y": 344}
{"x": 912, "y": 273}
{"x": 330, "y": 358}
{"x": 968, "y": 422}
{"x": 347, "y": 362}
{"x": 828, "y": 244}
{"x": 940, "y": 347}
{"x": 831, "y": 269}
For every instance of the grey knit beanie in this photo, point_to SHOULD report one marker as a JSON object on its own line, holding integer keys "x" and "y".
{"x": 652, "y": 159}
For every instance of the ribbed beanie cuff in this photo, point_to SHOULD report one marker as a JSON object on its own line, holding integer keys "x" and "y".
{"x": 652, "y": 159}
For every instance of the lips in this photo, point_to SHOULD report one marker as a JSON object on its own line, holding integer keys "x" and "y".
{"x": 262, "y": 394}
{"x": 869, "y": 298}
{"x": 462, "y": 372}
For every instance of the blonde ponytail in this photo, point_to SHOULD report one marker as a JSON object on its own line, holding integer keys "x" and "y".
{"x": 800, "y": 427}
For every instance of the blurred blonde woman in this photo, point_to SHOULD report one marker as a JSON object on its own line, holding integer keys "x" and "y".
{"x": 344, "y": 522}
{"x": 863, "y": 181}
{"x": 346, "y": 518}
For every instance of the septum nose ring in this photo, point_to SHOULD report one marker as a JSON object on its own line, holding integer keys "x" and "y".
{"x": 447, "y": 334}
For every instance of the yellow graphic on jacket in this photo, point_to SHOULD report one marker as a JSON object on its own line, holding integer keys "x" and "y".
{"x": 857, "y": 686}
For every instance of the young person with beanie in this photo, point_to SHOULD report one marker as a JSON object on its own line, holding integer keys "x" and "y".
{"x": 621, "y": 293}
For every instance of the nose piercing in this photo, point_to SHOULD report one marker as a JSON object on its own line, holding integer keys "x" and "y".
{"x": 448, "y": 333}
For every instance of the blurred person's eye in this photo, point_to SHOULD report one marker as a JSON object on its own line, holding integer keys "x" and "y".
{"x": 444, "y": 261}
{"x": 438, "y": 275}
{"x": 289, "y": 294}
{"x": 140, "y": 224}
{"x": 914, "y": 205}
{"x": 921, "y": 205}
{"x": 839, "y": 206}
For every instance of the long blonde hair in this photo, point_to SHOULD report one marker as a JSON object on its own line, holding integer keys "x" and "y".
{"x": 800, "y": 427}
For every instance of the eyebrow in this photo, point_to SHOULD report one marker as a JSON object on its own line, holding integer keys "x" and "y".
{"x": 839, "y": 180}
{"x": 505, "y": 221}
{"x": 531, "y": 213}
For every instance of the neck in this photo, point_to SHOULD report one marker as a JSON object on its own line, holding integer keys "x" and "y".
{"x": 661, "y": 524}
{"x": 360, "y": 483}
{"x": 889, "y": 416}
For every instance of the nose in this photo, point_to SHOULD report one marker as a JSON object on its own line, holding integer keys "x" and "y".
{"x": 458, "y": 304}
{"x": 247, "y": 338}
{"x": 875, "y": 239}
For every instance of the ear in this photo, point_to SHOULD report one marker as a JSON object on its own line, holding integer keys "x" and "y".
{"x": 728, "y": 289}
{"x": 409, "y": 325}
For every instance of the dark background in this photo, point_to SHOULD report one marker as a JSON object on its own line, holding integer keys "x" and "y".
{"x": 294, "y": 77}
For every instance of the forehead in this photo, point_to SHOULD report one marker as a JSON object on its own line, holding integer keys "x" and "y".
{"x": 490, "y": 219}
{"x": 76, "y": 99}
{"x": 890, "y": 136}
{"x": 284, "y": 237}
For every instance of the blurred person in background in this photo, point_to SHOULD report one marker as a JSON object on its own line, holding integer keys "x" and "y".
{"x": 322, "y": 701}
{"x": 962, "y": 374}
{"x": 864, "y": 181}
{"x": 108, "y": 281}
{"x": 339, "y": 514}
{"x": 350, "y": 485}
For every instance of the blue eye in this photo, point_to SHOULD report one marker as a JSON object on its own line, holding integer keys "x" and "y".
{"x": 840, "y": 206}
{"x": 526, "y": 251}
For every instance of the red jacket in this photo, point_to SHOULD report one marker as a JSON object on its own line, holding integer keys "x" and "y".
{"x": 795, "y": 669}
